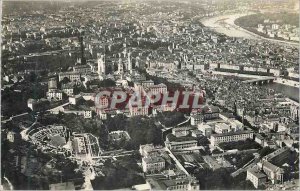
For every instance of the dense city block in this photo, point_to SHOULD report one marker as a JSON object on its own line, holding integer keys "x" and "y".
{"x": 150, "y": 95}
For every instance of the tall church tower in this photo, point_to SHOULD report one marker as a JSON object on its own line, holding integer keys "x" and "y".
{"x": 80, "y": 37}
{"x": 120, "y": 67}
{"x": 129, "y": 62}
{"x": 101, "y": 64}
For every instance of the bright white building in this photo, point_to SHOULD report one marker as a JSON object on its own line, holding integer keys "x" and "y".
{"x": 230, "y": 137}
{"x": 152, "y": 164}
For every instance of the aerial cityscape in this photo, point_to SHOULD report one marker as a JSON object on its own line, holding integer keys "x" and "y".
{"x": 150, "y": 95}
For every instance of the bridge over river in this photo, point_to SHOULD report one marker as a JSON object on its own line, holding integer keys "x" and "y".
{"x": 260, "y": 80}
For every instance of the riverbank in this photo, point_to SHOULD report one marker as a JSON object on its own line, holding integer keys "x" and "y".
{"x": 277, "y": 80}
{"x": 287, "y": 87}
{"x": 225, "y": 24}
{"x": 287, "y": 82}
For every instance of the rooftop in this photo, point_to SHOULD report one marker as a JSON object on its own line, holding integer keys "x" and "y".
{"x": 272, "y": 167}
{"x": 276, "y": 153}
{"x": 256, "y": 172}
{"x": 155, "y": 159}
{"x": 173, "y": 138}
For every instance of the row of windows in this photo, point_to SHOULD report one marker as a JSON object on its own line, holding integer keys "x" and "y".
{"x": 51, "y": 95}
{"x": 139, "y": 109}
{"x": 156, "y": 90}
{"x": 71, "y": 77}
{"x": 252, "y": 178}
{"x": 82, "y": 70}
{"x": 184, "y": 146}
{"x": 178, "y": 187}
{"x": 139, "y": 113}
{"x": 68, "y": 91}
{"x": 220, "y": 131}
{"x": 234, "y": 137}
{"x": 87, "y": 113}
{"x": 155, "y": 164}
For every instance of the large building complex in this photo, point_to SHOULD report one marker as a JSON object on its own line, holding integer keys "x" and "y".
{"x": 230, "y": 137}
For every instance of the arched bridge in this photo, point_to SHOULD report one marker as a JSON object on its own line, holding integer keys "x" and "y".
{"x": 262, "y": 80}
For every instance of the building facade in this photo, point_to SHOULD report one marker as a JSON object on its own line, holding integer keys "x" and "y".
{"x": 230, "y": 137}
{"x": 256, "y": 176}
{"x": 153, "y": 164}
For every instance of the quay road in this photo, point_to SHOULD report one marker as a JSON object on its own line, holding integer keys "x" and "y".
{"x": 276, "y": 80}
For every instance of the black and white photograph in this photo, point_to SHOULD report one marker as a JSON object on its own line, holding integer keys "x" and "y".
{"x": 149, "y": 95}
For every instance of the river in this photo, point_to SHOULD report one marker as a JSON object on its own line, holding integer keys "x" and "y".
{"x": 289, "y": 91}
{"x": 225, "y": 24}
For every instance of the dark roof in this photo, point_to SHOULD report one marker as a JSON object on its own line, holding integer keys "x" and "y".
{"x": 172, "y": 138}
{"x": 259, "y": 136}
{"x": 153, "y": 159}
{"x": 229, "y": 115}
{"x": 256, "y": 172}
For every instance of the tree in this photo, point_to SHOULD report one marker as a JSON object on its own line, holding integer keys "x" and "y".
{"x": 115, "y": 123}
{"x": 130, "y": 83}
{"x": 129, "y": 145}
{"x": 32, "y": 77}
{"x": 265, "y": 151}
{"x": 65, "y": 80}
{"x": 240, "y": 183}
{"x": 154, "y": 136}
{"x": 117, "y": 176}
{"x": 213, "y": 180}
{"x": 295, "y": 145}
{"x": 203, "y": 140}
{"x": 240, "y": 145}
{"x": 79, "y": 88}
{"x": 216, "y": 151}
{"x": 107, "y": 83}
{"x": 245, "y": 160}
{"x": 170, "y": 118}
{"x": 276, "y": 127}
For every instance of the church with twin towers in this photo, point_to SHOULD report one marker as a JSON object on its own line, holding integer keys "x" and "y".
{"x": 121, "y": 66}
